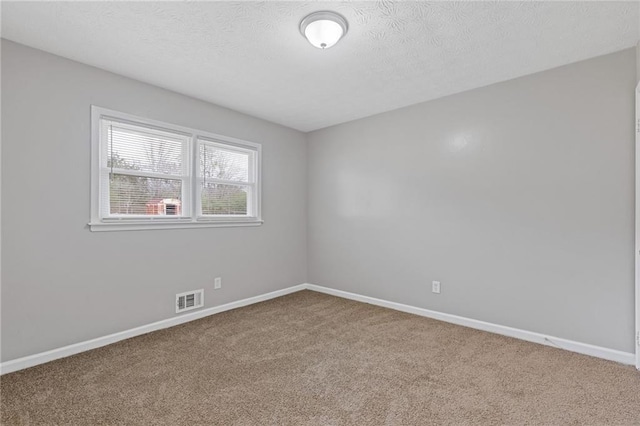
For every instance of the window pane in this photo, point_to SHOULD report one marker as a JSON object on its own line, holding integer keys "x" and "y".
{"x": 137, "y": 195}
{"x": 142, "y": 149}
{"x": 217, "y": 163}
{"x": 224, "y": 199}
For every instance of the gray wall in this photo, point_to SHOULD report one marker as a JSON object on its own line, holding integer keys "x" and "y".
{"x": 518, "y": 197}
{"x": 62, "y": 283}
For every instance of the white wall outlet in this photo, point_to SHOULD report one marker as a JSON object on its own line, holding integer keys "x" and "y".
{"x": 435, "y": 286}
{"x": 217, "y": 283}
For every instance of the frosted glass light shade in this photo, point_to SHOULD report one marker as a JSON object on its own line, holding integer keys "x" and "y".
{"x": 323, "y": 29}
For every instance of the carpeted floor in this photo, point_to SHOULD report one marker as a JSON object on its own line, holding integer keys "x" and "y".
{"x": 313, "y": 359}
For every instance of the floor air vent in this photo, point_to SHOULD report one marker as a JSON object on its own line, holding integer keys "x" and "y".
{"x": 189, "y": 300}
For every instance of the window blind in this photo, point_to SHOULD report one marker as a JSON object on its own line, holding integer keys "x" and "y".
{"x": 146, "y": 171}
{"x": 226, "y": 179}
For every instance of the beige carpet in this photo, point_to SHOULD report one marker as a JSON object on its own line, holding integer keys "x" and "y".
{"x": 313, "y": 359}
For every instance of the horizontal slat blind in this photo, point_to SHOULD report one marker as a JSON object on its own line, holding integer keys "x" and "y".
{"x": 226, "y": 180}
{"x": 146, "y": 170}
{"x": 137, "y": 148}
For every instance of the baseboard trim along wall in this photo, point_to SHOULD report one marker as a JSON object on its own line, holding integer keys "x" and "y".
{"x": 41, "y": 358}
{"x": 582, "y": 348}
{"x": 569, "y": 345}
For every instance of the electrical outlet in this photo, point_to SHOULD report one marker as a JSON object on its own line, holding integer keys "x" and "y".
{"x": 217, "y": 283}
{"x": 435, "y": 286}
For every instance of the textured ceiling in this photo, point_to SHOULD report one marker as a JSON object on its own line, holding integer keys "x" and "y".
{"x": 249, "y": 56}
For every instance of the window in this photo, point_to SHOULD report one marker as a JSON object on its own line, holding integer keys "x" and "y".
{"x": 151, "y": 175}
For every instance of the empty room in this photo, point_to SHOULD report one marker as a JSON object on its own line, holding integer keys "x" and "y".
{"x": 320, "y": 213}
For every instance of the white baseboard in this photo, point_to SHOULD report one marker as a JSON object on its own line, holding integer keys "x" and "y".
{"x": 582, "y": 348}
{"x": 569, "y": 345}
{"x": 41, "y": 358}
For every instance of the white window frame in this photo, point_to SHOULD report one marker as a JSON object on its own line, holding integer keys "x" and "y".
{"x": 191, "y": 187}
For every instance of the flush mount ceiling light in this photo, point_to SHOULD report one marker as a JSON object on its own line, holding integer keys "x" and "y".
{"x": 323, "y": 29}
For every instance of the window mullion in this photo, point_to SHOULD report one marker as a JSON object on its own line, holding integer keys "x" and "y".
{"x": 140, "y": 173}
{"x": 195, "y": 171}
{"x": 227, "y": 182}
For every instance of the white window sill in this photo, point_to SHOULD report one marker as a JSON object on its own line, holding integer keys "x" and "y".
{"x": 137, "y": 225}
